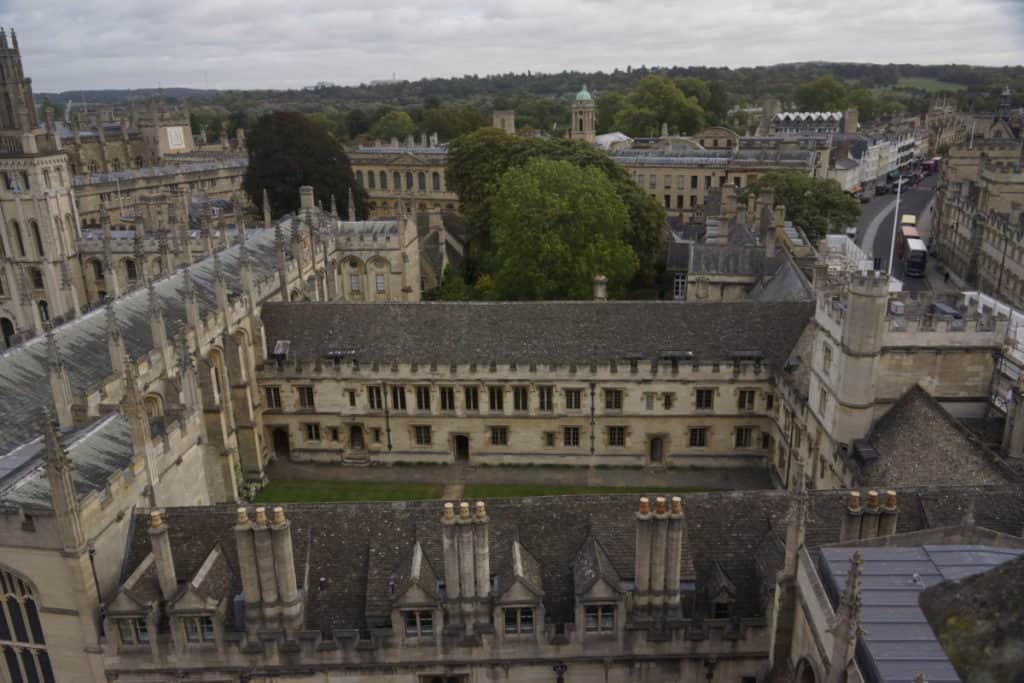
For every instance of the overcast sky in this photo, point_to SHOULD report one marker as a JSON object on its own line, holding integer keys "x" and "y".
{"x": 70, "y": 44}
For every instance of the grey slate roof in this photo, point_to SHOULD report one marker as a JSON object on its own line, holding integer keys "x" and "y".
{"x": 356, "y": 547}
{"x": 787, "y": 283}
{"x": 920, "y": 444}
{"x": 978, "y": 622}
{"x": 535, "y": 332}
{"x": 899, "y": 643}
{"x": 82, "y": 343}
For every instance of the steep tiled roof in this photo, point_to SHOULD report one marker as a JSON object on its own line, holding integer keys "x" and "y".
{"x": 920, "y": 444}
{"x": 356, "y": 547}
{"x": 535, "y": 332}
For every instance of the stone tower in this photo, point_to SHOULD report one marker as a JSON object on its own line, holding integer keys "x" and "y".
{"x": 39, "y": 272}
{"x": 843, "y": 386}
{"x": 584, "y": 117}
{"x": 504, "y": 120}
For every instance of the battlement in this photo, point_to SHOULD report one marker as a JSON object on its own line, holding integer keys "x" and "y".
{"x": 869, "y": 283}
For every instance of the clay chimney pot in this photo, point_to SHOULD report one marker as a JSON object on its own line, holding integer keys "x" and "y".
{"x": 677, "y": 505}
{"x": 261, "y": 516}
{"x": 464, "y": 510}
{"x": 279, "y": 515}
{"x": 890, "y": 500}
{"x": 243, "y": 516}
{"x": 854, "y": 504}
{"x": 156, "y": 519}
{"x": 872, "y": 500}
{"x": 449, "y": 511}
{"x": 645, "y": 506}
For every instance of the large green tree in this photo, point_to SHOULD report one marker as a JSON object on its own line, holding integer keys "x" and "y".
{"x": 556, "y": 226}
{"x": 394, "y": 124}
{"x": 287, "y": 150}
{"x": 819, "y": 206}
{"x": 477, "y": 161}
{"x": 821, "y": 94}
{"x": 656, "y": 100}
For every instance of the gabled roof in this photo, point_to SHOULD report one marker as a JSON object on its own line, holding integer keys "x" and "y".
{"x": 592, "y": 565}
{"x": 520, "y": 567}
{"x": 415, "y": 570}
{"x": 919, "y": 444}
{"x": 720, "y": 587}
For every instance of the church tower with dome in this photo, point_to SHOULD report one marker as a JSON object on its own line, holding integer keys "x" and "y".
{"x": 584, "y": 116}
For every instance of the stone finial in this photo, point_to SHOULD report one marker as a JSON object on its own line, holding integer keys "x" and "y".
{"x": 156, "y": 519}
{"x": 52, "y": 352}
{"x": 261, "y": 516}
{"x": 153, "y": 302}
{"x": 279, "y": 517}
{"x": 449, "y": 511}
{"x": 111, "y": 321}
{"x": 243, "y": 516}
{"x": 334, "y": 208}
{"x": 463, "y": 510}
{"x": 55, "y": 455}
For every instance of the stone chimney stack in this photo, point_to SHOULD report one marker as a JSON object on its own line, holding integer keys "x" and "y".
{"x": 160, "y": 542}
{"x": 482, "y": 551}
{"x": 306, "y": 202}
{"x": 674, "y": 554}
{"x": 467, "y": 561}
{"x": 890, "y": 515}
{"x": 265, "y": 564}
{"x": 284, "y": 565}
{"x": 869, "y": 524}
{"x": 600, "y": 288}
{"x": 659, "y": 546}
{"x": 850, "y": 529}
{"x": 450, "y": 550}
{"x": 642, "y": 558}
{"x": 249, "y": 571}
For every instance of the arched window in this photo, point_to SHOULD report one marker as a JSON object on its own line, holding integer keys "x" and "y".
{"x": 21, "y": 632}
{"x": 3, "y": 286}
{"x": 26, "y": 185}
{"x": 38, "y": 238}
{"x": 371, "y": 178}
{"x": 396, "y": 179}
{"x": 408, "y": 180}
{"x": 93, "y": 166}
{"x": 7, "y": 331}
{"x": 130, "y": 270}
{"x": 383, "y": 180}
{"x": 421, "y": 179}
{"x": 359, "y": 177}
{"x": 44, "y": 310}
{"x": 46, "y": 179}
{"x": 16, "y": 229}
{"x": 36, "y": 276}
{"x": 435, "y": 178}
{"x": 116, "y": 165}
{"x": 97, "y": 269}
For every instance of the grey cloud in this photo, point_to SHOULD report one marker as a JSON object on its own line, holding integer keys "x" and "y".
{"x": 69, "y": 44}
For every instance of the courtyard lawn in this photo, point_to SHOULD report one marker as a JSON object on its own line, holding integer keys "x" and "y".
{"x": 527, "y": 490}
{"x": 331, "y": 491}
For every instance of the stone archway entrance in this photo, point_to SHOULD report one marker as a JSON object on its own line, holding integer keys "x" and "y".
{"x": 657, "y": 450}
{"x": 355, "y": 438}
{"x": 461, "y": 448}
{"x": 282, "y": 444}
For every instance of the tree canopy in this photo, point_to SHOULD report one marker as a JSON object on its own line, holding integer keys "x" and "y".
{"x": 656, "y": 100}
{"x": 476, "y": 162}
{"x": 821, "y": 94}
{"x": 394, "y": 124}
{"x": 818, "y": 206}
{"x": 556, "y": 226}
{"x": 286, "y": 151}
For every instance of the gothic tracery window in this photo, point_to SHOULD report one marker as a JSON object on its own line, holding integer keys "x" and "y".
{"x": 21, "y": 633}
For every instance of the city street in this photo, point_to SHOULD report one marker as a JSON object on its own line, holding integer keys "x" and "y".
{"x": 874, "y": 230}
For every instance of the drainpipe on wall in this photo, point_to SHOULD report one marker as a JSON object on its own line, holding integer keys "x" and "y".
{"x": 593, "y": 421}
{"x": 387, "y": 415}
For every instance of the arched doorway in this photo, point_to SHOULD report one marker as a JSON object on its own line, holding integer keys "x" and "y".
{"x": 355, "y": 438}
{"x": 7, "y": 329}
{"x": 461, "y": 448}
{"x": 805, "y": 673}
{"x": 282, "y": 444}
{"x": 657, "y": 450}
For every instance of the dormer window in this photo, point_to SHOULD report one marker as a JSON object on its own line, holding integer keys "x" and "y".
{"x": 518, "y": 620}
{"x": 198, "y": 629}
{"x": 418, "y": 623}
{"x": 133, "y": 631}
{"x": 599, "y": 618}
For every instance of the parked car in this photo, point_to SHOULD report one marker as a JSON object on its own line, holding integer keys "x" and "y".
{"x": 882, "y": 189}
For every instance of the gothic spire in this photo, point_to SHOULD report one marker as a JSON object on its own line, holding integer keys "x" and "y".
{"x": 846, "y": 626}
{"x": 334, "y": 208}
{"x": 266, "y": 209}
{"x": 351, "y": 204}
